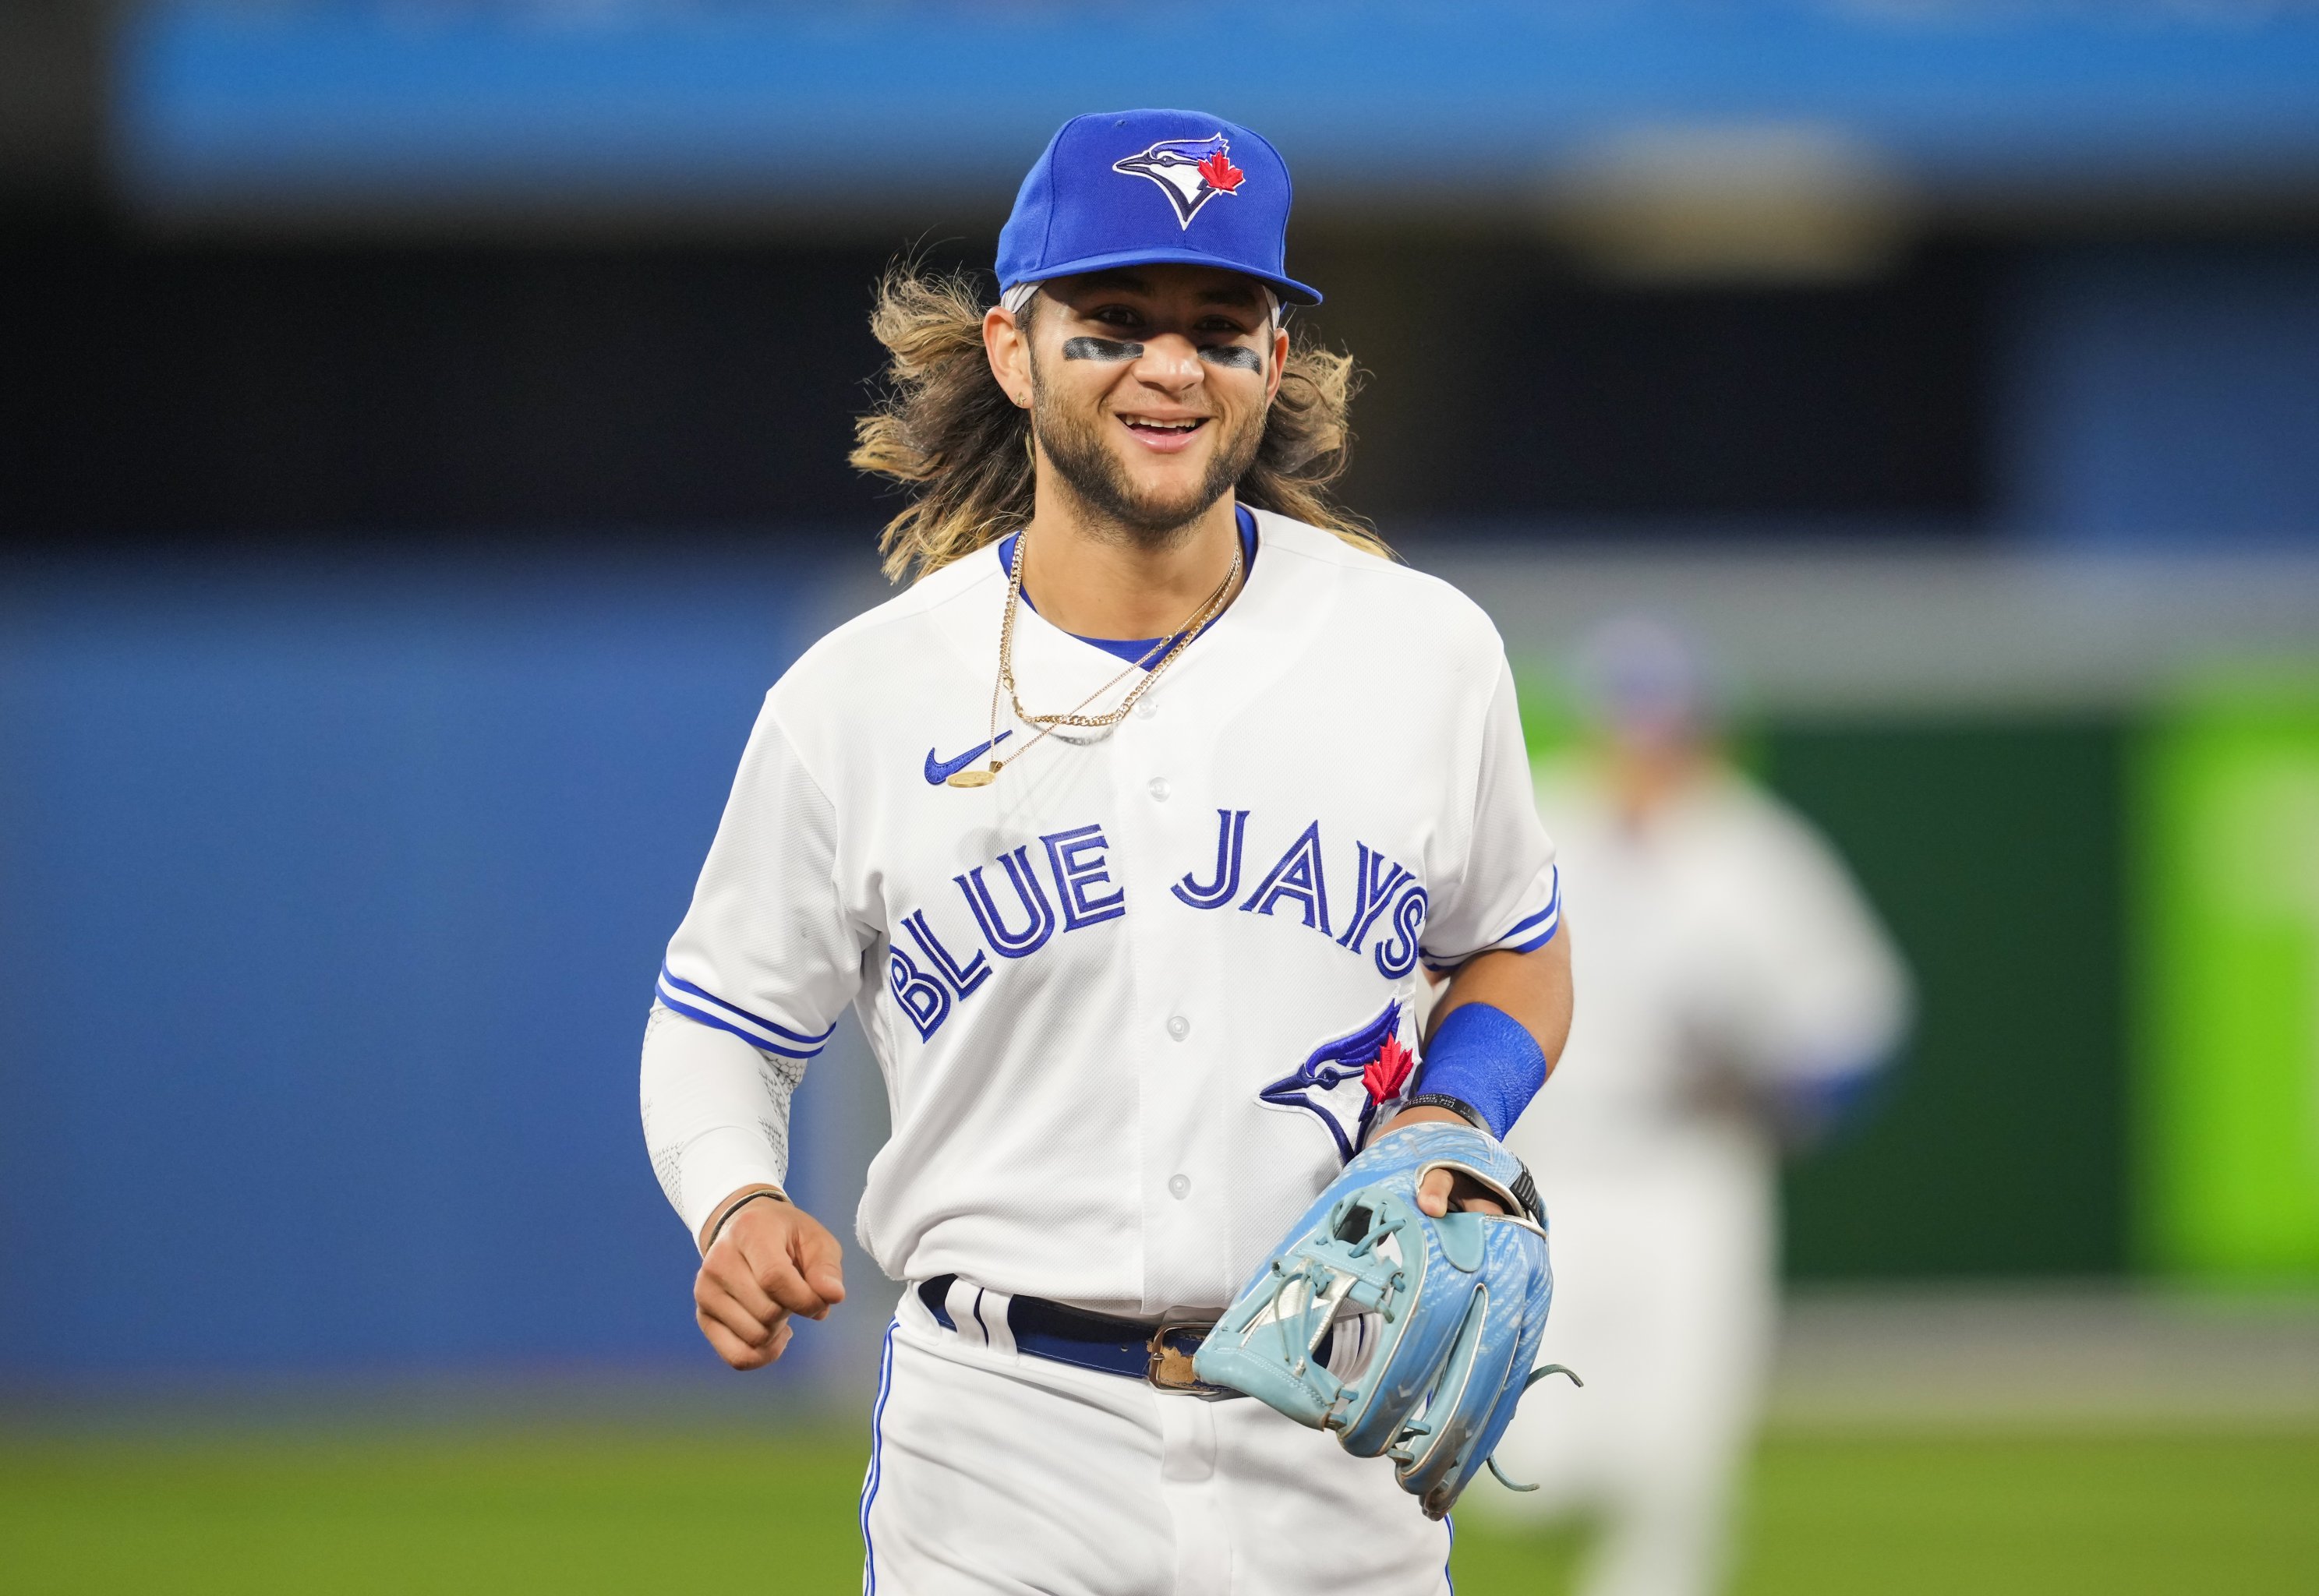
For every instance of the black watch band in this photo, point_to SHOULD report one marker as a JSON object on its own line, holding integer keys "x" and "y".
{"x": 725, "y": 1218}
{"x": 1457, "y": 1105}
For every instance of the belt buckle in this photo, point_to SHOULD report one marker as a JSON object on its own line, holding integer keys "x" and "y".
{"x": 1170, "y": 1367}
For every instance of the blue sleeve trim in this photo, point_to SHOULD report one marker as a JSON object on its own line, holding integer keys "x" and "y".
{"x": 1550, "y": 917}
{"x": 1540, "y": 941}
{"x": 1485, "y": 1057}
{"x": 1552, "y": 911}
{"x": 671, "y": 978}
{"x": 677, "y": 1004}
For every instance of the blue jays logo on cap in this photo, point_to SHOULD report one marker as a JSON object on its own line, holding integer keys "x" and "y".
{"x": 1189, "y": 171}
{"x": 1085, "y": 207}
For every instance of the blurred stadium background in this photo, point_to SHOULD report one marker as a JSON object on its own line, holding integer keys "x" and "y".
{"x": 421, "y": 439}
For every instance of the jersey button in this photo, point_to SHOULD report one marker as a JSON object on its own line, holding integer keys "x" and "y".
{"x": 1158, "y": 787}
{"x": 1145, "y": 708}
{"x": 1178, "y": 1027}
{"x": 1179, "y": 1187}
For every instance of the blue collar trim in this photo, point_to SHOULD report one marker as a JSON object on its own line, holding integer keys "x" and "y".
{"x": 1134, "y": 650}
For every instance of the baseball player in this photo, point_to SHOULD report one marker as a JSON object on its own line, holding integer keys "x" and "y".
{"x": 1128, "y": 833}
{"x": 1740, "y": 994}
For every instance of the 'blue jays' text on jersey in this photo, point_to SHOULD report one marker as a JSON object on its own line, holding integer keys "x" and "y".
{"x": 1136, "y": 999}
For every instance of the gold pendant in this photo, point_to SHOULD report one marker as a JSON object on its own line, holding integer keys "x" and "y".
{"x": 975, "y": 778}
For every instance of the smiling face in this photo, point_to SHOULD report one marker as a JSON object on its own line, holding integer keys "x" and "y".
{"x": 1147, "y": 387}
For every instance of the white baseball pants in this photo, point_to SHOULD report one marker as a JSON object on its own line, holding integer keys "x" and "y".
{"x": 996, "y": 1472}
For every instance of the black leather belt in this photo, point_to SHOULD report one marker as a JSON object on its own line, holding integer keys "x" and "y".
{"x": 1159, "y": 1354}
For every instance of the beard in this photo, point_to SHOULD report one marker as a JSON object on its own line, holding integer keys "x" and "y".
{"x": 1074, "y": 443}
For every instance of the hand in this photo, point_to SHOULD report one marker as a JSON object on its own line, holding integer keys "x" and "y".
{"x": 1442, "y": 1187}
{"x": 770, "y": 1261}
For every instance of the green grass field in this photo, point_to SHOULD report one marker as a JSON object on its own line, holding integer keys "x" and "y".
{"x": 601, "y": 1511}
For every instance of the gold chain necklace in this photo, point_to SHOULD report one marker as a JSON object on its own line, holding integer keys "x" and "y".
{"x": 1210, "y": 608}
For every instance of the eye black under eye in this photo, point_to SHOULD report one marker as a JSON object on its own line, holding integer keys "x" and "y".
{"x": 1234, "y": 356}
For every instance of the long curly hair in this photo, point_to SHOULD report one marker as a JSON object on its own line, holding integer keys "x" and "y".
{"x": 946, "y": 430}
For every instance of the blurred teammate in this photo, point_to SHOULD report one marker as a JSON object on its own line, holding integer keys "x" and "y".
{"x": 1736, "y": 995}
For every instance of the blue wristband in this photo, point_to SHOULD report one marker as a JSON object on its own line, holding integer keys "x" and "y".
{"x": 1484, "y": 1055}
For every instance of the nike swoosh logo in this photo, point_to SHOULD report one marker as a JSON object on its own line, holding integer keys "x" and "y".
{"x": 939, "y": 771}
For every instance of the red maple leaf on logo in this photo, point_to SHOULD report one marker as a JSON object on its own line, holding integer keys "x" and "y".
{"x": 1387, "y": 1071}
{"x": 1220, "y": 173}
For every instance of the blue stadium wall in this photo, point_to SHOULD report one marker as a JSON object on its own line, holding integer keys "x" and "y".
{"x": 332, "y": 894}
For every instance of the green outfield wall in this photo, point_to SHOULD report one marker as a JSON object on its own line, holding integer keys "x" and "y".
{"x": 1996, "y": 852}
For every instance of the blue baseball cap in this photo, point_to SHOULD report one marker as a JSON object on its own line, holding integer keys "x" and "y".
{"x": 1123, "y": 188}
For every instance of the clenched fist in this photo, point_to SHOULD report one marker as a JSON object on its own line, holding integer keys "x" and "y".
{"x": 772, "y": 1259}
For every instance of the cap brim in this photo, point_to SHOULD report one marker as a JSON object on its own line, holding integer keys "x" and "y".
{"x": 1288, "y": 288}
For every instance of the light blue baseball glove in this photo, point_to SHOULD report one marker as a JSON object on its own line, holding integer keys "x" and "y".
{"x": 1405, "y": 1335}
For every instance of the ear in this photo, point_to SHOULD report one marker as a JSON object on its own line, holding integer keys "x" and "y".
{"x": 1279, "y": 363}
{"x": 1009, "y": 349}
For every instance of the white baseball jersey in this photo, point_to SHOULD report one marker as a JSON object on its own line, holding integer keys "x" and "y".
{"x": 1124, "y": 995}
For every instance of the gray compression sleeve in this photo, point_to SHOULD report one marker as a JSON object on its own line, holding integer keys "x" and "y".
{"x": 715, "y": 1113}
